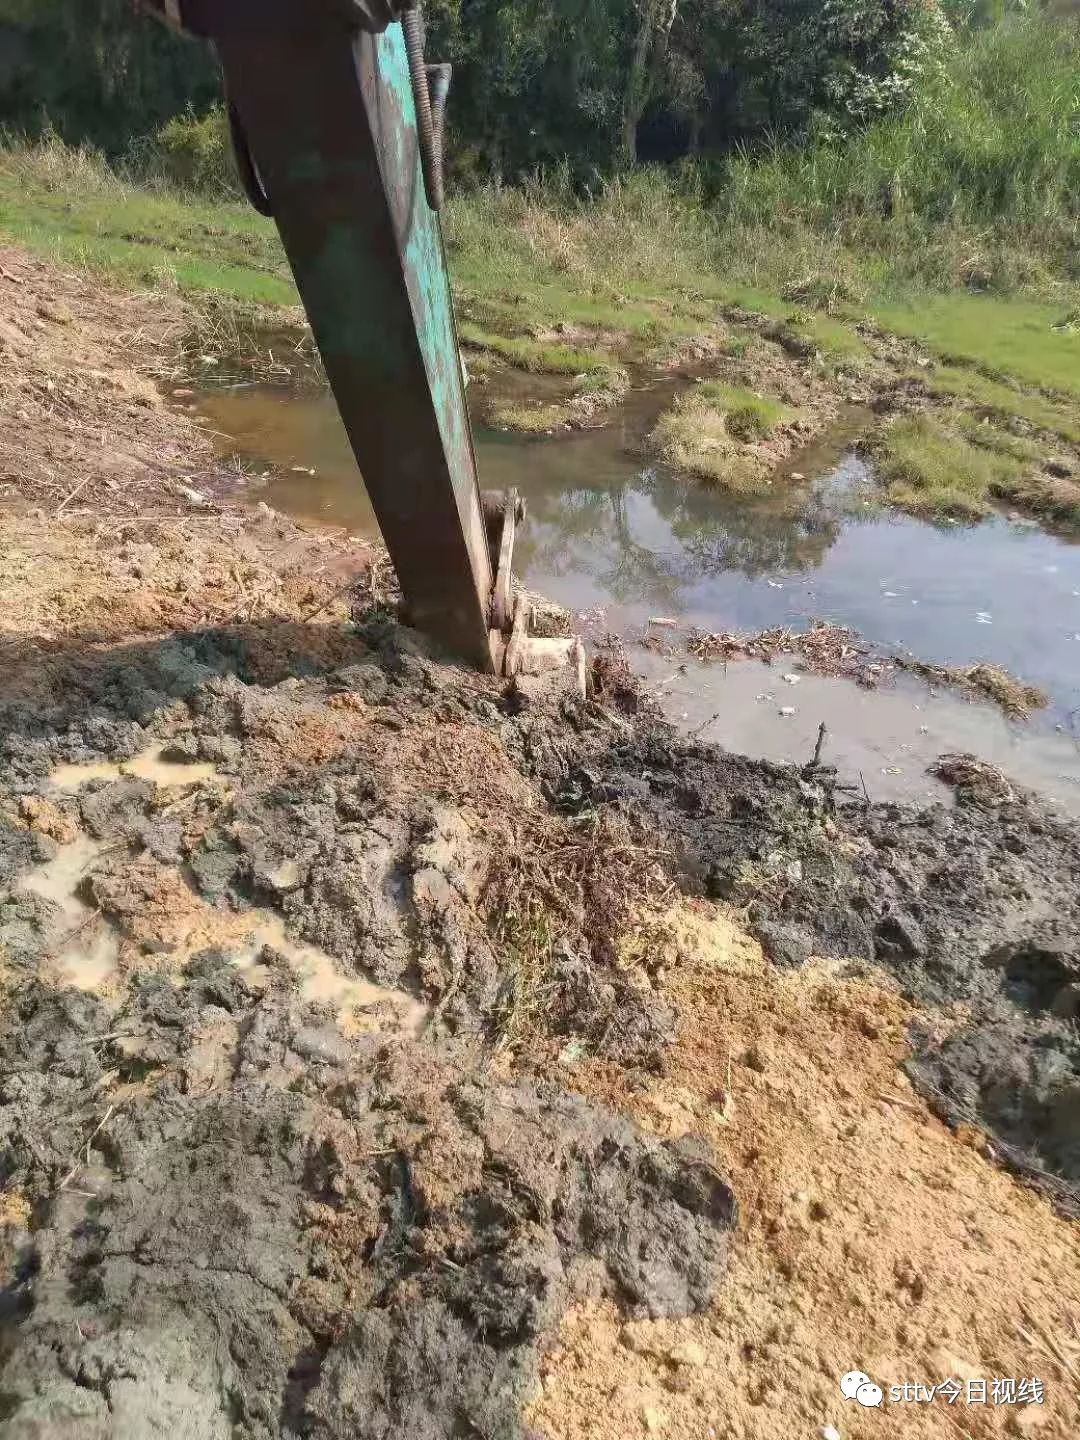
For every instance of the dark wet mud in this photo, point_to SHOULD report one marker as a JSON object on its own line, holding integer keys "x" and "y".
{"x": 247, "y": 1212}
{"x": 974, "y": 905}
{"x": 295, "y": 1234}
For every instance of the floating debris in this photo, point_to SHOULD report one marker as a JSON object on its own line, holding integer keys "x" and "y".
{"x": 837, "y": 651}
{"x": 991, "y": 682}
{"x": 825, "y": 649}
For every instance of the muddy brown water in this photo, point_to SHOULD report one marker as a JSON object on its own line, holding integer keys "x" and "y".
{"x": 621, "y": 542}
{"x": 88, "y": 955}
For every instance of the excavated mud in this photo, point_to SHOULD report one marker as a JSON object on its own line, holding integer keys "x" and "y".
{"x": 976, "y": 904}
{"x": 237, "y": 1208}
{"x": 281, "y": 1230}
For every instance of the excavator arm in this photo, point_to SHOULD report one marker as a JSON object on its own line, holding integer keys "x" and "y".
{"x": 337, "y": 127}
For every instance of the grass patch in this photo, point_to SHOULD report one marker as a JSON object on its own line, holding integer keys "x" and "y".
{"x": 530, "y": 419}
{"x": 998, "y": 397}
{"x": 708, "y": 432}
{"x": 820, "y": 335}
{"x": 591, "y": 395}
{"x": 930, "y": 468}
{"x": 68, "y": 206}
{"x": 600, "y": 389}
{"x": 982, "y": 433}
{"x": 747, "y": 415}
{"x": 1053, "y": 498}
{"x": 835, "y": 340}
{"x": 1028, "y": 339}
{"x": 539, "y": 357}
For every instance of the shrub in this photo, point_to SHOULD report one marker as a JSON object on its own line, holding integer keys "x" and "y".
{"x": 193, "y": 152}
{"x": 836, "y": 63}
{"x": 987, "y": 153}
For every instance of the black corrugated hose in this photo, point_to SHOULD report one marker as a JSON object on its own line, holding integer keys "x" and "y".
{"x": 428, "y": 117}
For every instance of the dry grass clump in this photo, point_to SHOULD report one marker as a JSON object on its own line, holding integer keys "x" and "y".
{"x": 995, "y": 683}
{"x": 563, "y": 904}
{"x": 711, "y": 432}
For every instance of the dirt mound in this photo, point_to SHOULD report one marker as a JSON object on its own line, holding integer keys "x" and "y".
{"x": 81, "y": 421}
{"x": 290, "y": 1232}
{"x": 263, "y": 1203}
{"x": 930, "y": 893}
{"x": 869, "y": 1237}
{"x": 977, "y": 904}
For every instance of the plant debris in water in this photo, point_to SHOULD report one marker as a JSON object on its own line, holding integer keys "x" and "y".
{"x": 836, "y": 650}
{"x": 992, "y": 682}
{"x": 825, "y": 649}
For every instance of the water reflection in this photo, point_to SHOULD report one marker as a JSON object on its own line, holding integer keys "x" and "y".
{"x": 605, "y": 530}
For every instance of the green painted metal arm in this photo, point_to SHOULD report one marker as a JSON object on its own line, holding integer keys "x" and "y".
{"x": 322, "y": 96}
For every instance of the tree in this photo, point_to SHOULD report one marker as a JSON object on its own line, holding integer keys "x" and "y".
{"x": 646, "y": 70}
{"x": 96, "y": 71}
{"x": 574, "y": 83}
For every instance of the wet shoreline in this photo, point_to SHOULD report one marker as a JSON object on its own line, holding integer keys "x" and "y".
{"x": 619, "y": 542}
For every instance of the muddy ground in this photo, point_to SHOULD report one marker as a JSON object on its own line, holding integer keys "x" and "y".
{"x": 384, "y": 1051}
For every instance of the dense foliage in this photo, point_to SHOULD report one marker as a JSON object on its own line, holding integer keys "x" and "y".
{"x": 96, "y": 71}
{"x": 595, "y": 83}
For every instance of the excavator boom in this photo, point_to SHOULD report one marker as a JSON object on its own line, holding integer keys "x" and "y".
{"x": 337, "y": 130}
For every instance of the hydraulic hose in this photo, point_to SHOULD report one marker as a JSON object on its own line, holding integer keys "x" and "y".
{"x": 246, "y": 168}
{"x": 428, "y": 117}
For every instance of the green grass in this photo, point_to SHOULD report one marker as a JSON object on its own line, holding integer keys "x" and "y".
{"x": 977, "y": 182}
{"x": 66, "y": 205}
{"x": 541, "y": 357}
{"x": 1033, "y": 341}
{"x": 708, "y": 433}
{"x": 930, "y": 467}
{"x": 747, "y": 415}
{"x": 589, "y": 397}
{"x": 832, "y": 340}
{"x": 998, "y": 398}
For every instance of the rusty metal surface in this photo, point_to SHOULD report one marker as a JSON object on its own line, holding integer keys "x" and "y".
{"x": 328, "y": 113}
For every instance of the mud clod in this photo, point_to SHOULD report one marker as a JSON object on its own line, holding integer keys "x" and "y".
{"x": 977, "y": 903}
{"x": 295, "y": 1246}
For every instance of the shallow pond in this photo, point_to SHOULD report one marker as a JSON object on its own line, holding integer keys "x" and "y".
{"x": 626, "y": 543}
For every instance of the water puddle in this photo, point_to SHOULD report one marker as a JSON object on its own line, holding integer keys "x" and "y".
{"x": 87, "y": 952}
{"x": 146, "y": 766}
{"x": 881, "y": 739}
{"x": 621, "y": 541}
{"x": 362, "y": 1006}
